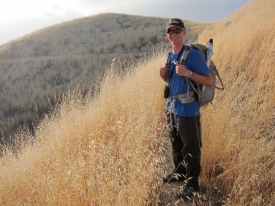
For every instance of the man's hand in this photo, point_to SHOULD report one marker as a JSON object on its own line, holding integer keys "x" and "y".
{"x": 181, "y": 70}
{"x": 163, "y": 72}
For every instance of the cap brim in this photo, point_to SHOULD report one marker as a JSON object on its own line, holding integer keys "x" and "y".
{"x": 179, "y": 27}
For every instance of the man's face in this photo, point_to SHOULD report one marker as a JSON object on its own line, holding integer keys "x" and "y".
{"x": 175, "y": 35}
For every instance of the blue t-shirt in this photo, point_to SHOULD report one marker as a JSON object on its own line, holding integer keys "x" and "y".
{"x": 178, "y": 84}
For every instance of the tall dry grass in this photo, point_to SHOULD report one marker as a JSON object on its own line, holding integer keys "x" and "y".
{"x": 240, "y": 133}
{"x": 110, "y": 149}
{"x": 105, "y": 150}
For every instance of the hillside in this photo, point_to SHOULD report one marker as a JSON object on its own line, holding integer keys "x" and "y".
{"x": 240, "y": 131}
{"x": 42, "y": 66}
{"x": 111, "y": 148}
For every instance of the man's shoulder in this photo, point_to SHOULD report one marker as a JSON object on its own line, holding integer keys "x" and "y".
{"x": 195, "y": 55}
{"x": 196, "y": 61}
{"x": 195, "y": 52}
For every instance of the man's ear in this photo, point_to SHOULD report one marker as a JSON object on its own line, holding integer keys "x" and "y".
{"x": 184, "y": 32}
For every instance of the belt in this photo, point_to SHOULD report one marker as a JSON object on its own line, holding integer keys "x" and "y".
{"x": 186, "y": 98}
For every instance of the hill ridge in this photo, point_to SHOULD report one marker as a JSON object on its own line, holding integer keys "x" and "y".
{"x": 48, "y": 62}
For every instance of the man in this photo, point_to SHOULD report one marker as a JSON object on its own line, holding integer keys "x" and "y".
{"x": 182, "y": 108}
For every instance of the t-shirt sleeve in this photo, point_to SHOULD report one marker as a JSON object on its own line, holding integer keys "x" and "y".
{"x": 197, "y": 63}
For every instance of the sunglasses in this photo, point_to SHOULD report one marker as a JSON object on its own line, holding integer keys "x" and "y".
{"x": 176, "y": 31}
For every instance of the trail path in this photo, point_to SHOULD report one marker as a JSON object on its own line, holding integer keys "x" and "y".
{"x": 205, "y": 197}
{"x": 202, "y": 198}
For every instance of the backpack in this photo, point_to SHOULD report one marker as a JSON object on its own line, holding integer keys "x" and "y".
{"x": 205, "y": 93}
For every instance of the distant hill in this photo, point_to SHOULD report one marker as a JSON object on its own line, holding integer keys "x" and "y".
{"x": 36, "y": 68}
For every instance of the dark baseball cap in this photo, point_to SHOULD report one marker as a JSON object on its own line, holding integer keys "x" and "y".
{"x": 175, "y": 22}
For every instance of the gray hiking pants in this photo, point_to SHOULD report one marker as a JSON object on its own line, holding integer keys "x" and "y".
{"x": 185, "y": 135}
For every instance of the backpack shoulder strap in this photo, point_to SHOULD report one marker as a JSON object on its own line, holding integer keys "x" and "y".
{"x": 182, "y": 61}
{"x": 185, "y": 54}
{"x": 167, "y": 63}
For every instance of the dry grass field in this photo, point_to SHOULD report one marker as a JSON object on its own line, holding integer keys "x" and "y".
{"x": 111, "y": 148}
{"x": 47, "y": 63}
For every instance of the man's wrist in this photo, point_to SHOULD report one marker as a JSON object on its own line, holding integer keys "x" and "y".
{"x": 189, "y": 75}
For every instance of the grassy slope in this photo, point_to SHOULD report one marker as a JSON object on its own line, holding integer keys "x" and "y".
{"x": 110, "y": 150}
{"x": 240, "y": 132}
{"x": 37, "y": 67}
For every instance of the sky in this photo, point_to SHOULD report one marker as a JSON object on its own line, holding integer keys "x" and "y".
{"x": 21, "y": 17}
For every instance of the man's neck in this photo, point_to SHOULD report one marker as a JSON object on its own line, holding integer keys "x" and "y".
{"x": 177, "y": 48}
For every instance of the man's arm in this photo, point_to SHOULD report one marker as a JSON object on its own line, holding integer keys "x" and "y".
{"x": 181, "y": 70}
{"x": 201, "y": 79}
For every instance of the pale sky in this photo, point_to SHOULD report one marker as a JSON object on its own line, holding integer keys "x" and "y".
{"x": 20, "y": 17}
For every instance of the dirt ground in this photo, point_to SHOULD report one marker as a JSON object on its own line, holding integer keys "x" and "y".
{"x": 206, "y": 196}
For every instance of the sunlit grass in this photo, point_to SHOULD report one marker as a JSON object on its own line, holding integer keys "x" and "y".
{"x": 110, "y": 148}
{"x": 106, "y": 150}
{"x": 240, "y": 132}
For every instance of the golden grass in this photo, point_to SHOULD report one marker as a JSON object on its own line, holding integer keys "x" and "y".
{"x": 102, "y": 151}
{"x": 110, "y": 149}
{"x": 240, "y": 132}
